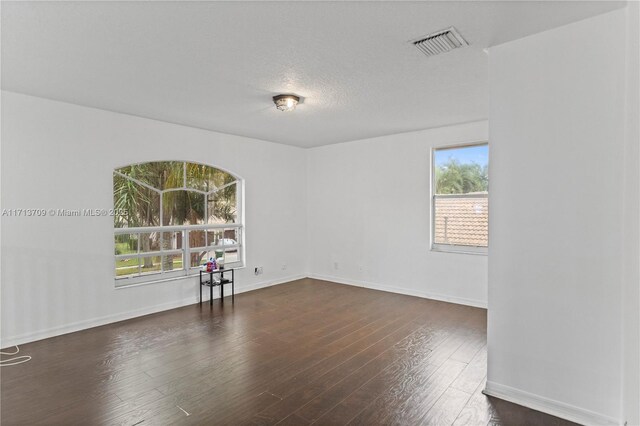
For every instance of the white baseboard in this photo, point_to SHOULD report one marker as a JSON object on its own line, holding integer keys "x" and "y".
{"x": 269, "y": 283}
{"x": 93, "y": 322}
{"x": 401, "y": 290}
{"x": 549, "y": 406}
{"x": 108, "y": 319}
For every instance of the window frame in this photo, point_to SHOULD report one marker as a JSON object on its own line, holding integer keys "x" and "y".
{"x": 187, "y": 270}
{"x": 453, "y": 248}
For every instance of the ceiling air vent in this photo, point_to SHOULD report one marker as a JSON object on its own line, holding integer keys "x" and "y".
{"x": 440, "y": 42}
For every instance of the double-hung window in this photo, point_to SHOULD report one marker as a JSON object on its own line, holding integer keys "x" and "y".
{"x": 171, "y": 216}
{"x": 460, "y": 198}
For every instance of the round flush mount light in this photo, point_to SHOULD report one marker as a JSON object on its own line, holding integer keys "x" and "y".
{"x": 286, "y": 102}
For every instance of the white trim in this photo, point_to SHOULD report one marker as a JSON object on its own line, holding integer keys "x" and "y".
{"x": 175, "y": 228}
{"x": 182, "y": 276}
{"x": 216, "y": 248}
{"x": 547, "y": 405}
{"x": 94, "y": 322}
{"x": 401, "y": 290}
{"x": 433, "y": 195}
{"x": 213, "y": 191}
{"x": 184, "y": 186}
{"x": 452, "y": 248}
{"x": 148, "y": 254}
{"x": 186, "y": 251}
{"x": 270, "y": 283}
{"x": 108, "y": 319}
{"x": 467, "y": 195}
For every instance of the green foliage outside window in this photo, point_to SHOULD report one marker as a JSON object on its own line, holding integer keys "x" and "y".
{"x": 454, "y": 177}
{"x": 168, "y": 193}
{"x": 181, "y": 205}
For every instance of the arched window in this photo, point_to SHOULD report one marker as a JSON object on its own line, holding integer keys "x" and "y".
{"x": 171, "y": 216}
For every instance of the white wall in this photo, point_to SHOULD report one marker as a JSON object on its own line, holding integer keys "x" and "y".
{"x": 557, "y": 118}
{"x": 563, "y": 266}
{"x": 369, "y": 212}
{"x": 631, "y": 291}
{"x": 57, "y": 272}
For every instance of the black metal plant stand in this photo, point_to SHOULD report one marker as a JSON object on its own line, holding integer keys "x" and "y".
{"x": 211, "y": 283}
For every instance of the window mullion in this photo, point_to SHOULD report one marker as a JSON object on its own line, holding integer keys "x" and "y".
{"x": 139, "y": 258}
{"x": 161, "y": 209}
{"x": 186, "y": 262}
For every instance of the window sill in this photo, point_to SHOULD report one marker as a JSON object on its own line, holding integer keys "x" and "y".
{"x": 474, "y": 251}
{"x": 192, "y": 274}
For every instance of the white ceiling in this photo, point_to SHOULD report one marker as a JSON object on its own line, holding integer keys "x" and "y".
{"x": 216, "y": 65}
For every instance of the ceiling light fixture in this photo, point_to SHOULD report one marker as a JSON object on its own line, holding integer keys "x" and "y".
{"x": 286, "y": 102}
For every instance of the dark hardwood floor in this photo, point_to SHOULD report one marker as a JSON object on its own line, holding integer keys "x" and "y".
{"x": 298, "y": 353}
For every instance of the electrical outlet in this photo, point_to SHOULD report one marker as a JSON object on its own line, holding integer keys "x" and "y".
{"x": 336, "y": 265}
{"x": 284, "y": 266}
{"x": 257, "y": 270}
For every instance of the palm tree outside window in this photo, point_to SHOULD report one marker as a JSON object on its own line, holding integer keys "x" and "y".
{"x": 171, "y": 216}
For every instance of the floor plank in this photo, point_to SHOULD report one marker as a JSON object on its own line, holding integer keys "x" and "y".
{"x": 305, "y": 352}
{"x": 473, "y": 374}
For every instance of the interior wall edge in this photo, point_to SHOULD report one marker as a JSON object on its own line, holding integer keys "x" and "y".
{"x": 630, "y": 363}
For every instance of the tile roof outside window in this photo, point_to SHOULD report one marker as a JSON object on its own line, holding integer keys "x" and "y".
{"x": 462, "y": 221}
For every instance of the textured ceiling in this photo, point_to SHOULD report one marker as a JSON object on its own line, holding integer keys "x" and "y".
{"x": 216, "y": 65}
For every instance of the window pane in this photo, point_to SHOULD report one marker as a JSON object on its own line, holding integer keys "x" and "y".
{"x": 462, "y": 170}
{"x": 126, "y": 244}
{"x": 214, "y": 237}
{"x": 149, "y": 241}
{"x": 461, "y": 221}
{"x": 135, "y": 204}
{"x": 182, "y": 208}
{"x": 158, "y": 174}
{"x": 127, "y": 267}
{"x": 201, "y": 257}
{"x": 198, "y": 258}
{"x": 231, "y": 255}
{"x": 197, "y": 239}
{"x": 172, "y": 262}
{"x": 222, "y": 206}
{"x": 150, "y": 264}
{"x": 230, "y": 237}
{"x": 206, "y": 178}
{"x": 171, "y": 240}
